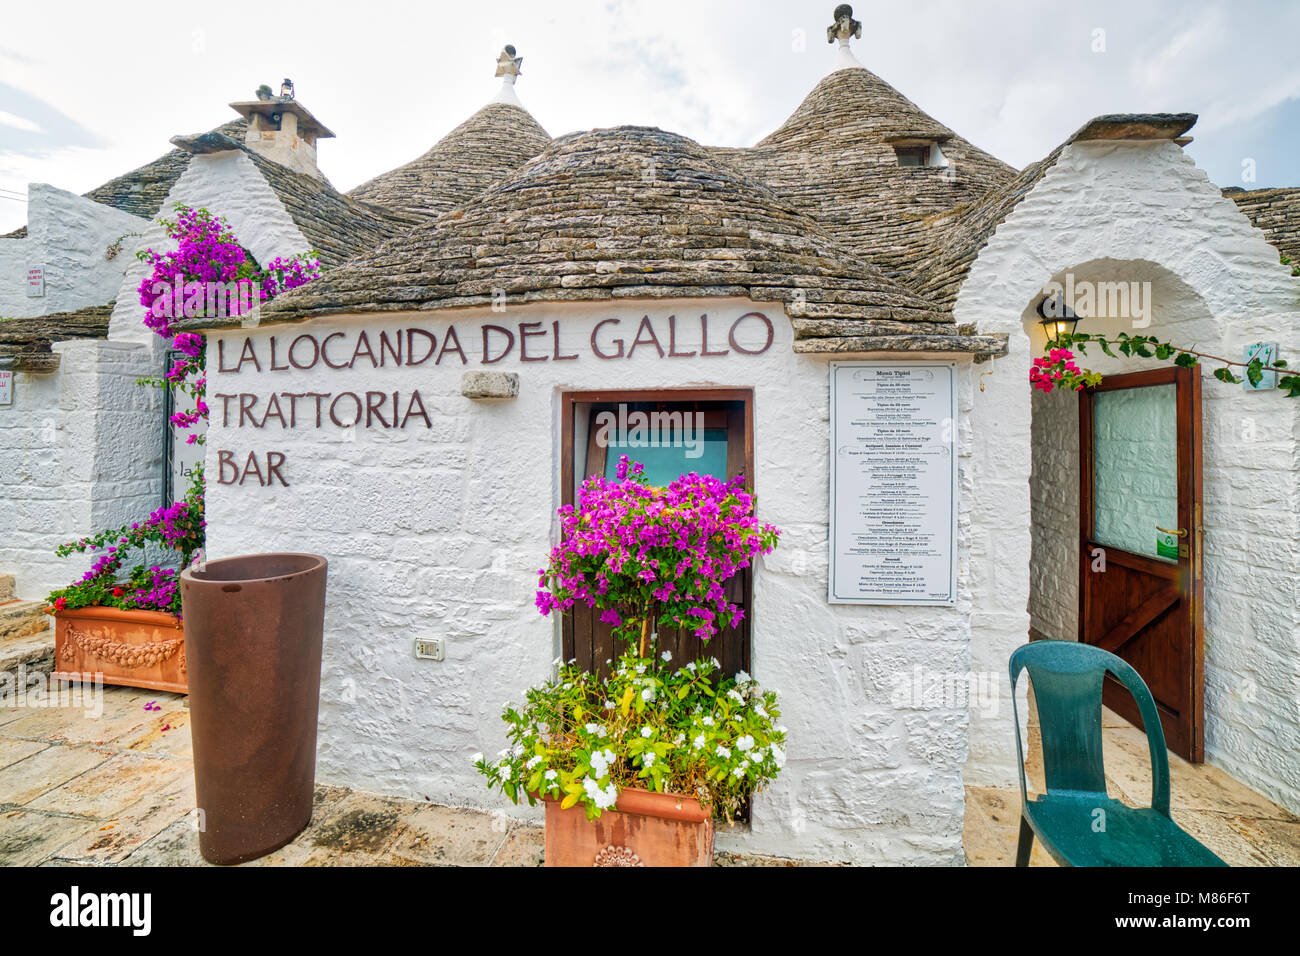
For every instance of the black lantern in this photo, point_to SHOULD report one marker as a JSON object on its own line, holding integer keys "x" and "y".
{"x": 286, "y": 89}
{"x": 1057, "y": 318}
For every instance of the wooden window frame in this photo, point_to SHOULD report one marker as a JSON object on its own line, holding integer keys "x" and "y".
{"x": 569, "y": 402}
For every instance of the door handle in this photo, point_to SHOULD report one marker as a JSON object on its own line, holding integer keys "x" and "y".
{"x": 1181, "y": 532}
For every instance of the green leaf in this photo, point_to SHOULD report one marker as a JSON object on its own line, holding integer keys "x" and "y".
{"x": 1255, "y": 372}
{"x": 1225, "y": 375}
{"x": 1186, "y": 360}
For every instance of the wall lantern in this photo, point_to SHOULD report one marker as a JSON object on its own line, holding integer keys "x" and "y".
{"x": 286, "y": 89}
{"x": 1057, "y": 318}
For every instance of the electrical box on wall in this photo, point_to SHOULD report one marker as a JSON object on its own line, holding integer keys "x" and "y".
{"x": 429, "y": 648}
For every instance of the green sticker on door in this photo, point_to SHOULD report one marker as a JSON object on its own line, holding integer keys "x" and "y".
{"x": 1167, "y": 545}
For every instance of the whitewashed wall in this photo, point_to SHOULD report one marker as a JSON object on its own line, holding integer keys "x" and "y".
{"x": 61, "y": 451}
{"x": 1144, "y": 212}
{"x": 440, "y": 532}
{"x": 69, "y": 236}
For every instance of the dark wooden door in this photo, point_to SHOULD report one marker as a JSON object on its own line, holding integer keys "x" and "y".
{"x": 585, "y": 638}
{"x": 1141, "y": 534}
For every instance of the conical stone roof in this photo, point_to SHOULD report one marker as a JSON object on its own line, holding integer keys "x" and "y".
{"x": 631, "y": 212}
{"x": 483, "y": 150}
{"x": 835, "y": 159}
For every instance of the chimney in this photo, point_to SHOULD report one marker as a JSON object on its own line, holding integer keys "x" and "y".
{"x": 282, "y": 129}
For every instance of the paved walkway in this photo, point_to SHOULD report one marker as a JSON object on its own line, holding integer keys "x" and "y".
{"x": 117, "y": 790}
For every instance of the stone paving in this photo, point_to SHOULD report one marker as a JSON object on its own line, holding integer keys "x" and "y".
{"x": 117, "y": 791}
{"x": 1242, "y": 827}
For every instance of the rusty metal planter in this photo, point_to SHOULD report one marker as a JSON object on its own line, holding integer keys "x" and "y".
{"x": 644, "y": 829}
{"x": 254, "y": 625}
{"x": 131, "y": 648}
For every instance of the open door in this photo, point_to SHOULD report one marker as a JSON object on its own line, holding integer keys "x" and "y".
{"x": 1140, "y": 568}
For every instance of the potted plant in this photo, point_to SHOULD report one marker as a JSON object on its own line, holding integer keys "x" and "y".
{"x": 126, "y": 625}
{"x": 634, "y": 767}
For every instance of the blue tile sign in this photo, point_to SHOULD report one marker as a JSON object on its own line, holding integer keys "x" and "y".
{"x": 1266, "y": 352}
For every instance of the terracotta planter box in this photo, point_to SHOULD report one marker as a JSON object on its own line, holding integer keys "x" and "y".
{"x": 133, "y": 648}
{"x": 645, "y": 829}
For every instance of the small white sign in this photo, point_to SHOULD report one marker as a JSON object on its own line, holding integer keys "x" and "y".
{"x": 893, "y": 508}
{"x": 35, "y": 282}
{"x": 6, "y": 387}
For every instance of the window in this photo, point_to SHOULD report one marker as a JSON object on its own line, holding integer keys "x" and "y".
{"x": 913, "y": 155}
{"x": 671, "y": 433}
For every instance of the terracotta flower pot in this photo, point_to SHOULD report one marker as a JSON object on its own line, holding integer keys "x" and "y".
{"x": 132, "y": 648}
{"x": 644, "y": 829}
{"x": 255, "y": 624}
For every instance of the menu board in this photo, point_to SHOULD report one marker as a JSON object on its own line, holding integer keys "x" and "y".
{"x": 893, "y": 508}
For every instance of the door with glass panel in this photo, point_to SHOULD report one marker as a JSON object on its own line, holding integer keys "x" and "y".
{"x": 1140, "y": 569}
{"x": 671, "y": 433}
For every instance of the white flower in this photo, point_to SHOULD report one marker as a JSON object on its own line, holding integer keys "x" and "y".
{"x": 559, "y": 661}
{"x": 505, "y": 769}
{"x": 778, "y": 755}
{"x": 707, "y": 721}
{"x": 742, "y": 678}
{"x": 648, "y": 694}
{"x": 698, "y": 742}
{"x": 679, "y": 740}
{"x": 477, "y": 758}
{"x": 533, "y": 761}
{"x": 666, "y": 656}
{"x": 735, "y": 695}
{"x": 640, "y": 669}
{"x": 503, "y": 752}
{"x": 723, "y": 751}
{"x": 648, "y": 758}
{"x": 647, "y": 732}
{"x": 690, "y": 666}
{"x": 604, "y": 799}
{"x": 550, "y": 775}
{"x": 739, "y": 771}
{"x": 745, "y": 743}
{"x": 609, "y": 705}
{"x": 760, "y": 710}
{"x": 716, "y": 663}
{"x": 517, "y": 751}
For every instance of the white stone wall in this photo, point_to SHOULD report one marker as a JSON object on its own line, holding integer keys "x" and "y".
{"x": 62, "y": 447}
{"x": 69, "y": 236}
{"x": 440, "y": 532}
{"x": 226, "y": 184}
{"x": 1144, "y": 212}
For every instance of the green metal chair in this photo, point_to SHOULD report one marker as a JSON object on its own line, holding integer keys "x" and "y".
{"x": 1077, "y": 822}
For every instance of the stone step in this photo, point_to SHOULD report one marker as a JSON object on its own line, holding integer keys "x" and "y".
{"x": 22, "y": 618}
{"x": 6, "y": 587}
{"x": 35, "y": 652}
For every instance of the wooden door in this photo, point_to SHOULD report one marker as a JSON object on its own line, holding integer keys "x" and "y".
{"x": 584, "y": 637}
{"x": 1141, "y": 535}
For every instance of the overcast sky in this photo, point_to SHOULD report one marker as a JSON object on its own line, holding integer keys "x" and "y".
{"x": 90, "y": 91}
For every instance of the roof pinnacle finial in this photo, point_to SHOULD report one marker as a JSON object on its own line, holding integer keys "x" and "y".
{"x": 508, "y": 68}
{"x": 843, "y": 29}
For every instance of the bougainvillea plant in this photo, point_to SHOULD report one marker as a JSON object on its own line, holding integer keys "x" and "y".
{"x": 179, "y": 529}
{"x": 641, "y": 555}
{"x": 579, "y": 739}
{"x": 208, "y": 274}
